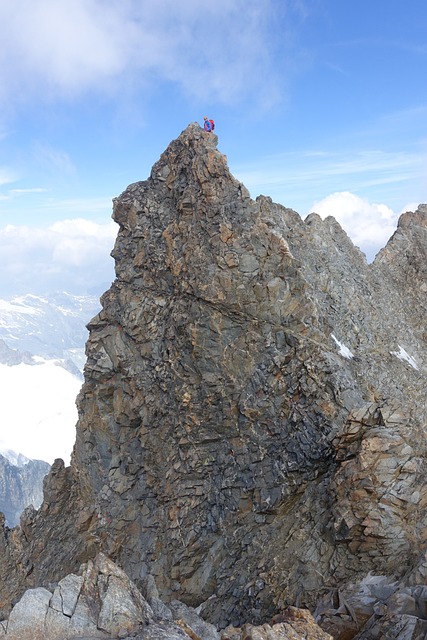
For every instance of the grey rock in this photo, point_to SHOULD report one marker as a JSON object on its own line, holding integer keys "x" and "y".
{"x": 100, "y": 603}
{"x": 252, "y": 422}
{"x": 21, "y": 485}
{"x": 201, "y": 628}
{"x": 150, "y": 591}
{"x": 395, "y": 627}
{"x": 32, "y": 607}
{"x": 66, "y": 595}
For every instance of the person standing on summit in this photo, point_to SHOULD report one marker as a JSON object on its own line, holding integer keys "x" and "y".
{"x": 208, "y": 124}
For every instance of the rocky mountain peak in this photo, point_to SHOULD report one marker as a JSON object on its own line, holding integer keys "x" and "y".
{"x": 250, "y": 423}
{"x": 197, "y": 226}
{"x": 417, "y": 218}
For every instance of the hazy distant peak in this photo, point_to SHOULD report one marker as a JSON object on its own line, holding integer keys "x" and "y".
{"x": 16, "y": 459}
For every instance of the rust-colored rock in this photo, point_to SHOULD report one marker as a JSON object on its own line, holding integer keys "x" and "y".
{"x": 291, "y": 624}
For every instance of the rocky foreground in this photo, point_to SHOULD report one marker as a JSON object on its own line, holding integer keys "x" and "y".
{"x": 252, "y": 423}
{"x": 101, "y": 602}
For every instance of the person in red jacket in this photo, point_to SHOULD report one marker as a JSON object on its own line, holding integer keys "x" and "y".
{"x": 207, "y": 126}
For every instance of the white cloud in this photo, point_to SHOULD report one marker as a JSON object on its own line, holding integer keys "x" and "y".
{"x": 81, "y": 242}
{"x": 71, "y": 255}
{"x": 54, "y": 47}
{"x": 411, "y": 206}
{"x": 6, "y": 176}
{"x": 369, "y": 225}
{"x": 299, "y": 179}
{"x": 14, "y": 192}
{"x": 38, "y": 407}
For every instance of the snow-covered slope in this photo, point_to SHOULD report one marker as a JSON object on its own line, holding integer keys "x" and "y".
{"x": 42, "y": 342}
{"x": 38, "y": 414}
{"x": 52, "y": 326}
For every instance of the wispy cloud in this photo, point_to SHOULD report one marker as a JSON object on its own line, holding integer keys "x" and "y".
{"x": 76, "y": 206}
{"x": 52, "y": 48}
{"x": 303, "y": 177}
{"x": 53, "y": 159}
{"x": 317, "y": 167}
{"x": 19, "y": 192}
{"x": 6, "y": 176}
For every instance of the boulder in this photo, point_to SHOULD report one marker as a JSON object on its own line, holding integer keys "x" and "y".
{"x": 99, "y": 603}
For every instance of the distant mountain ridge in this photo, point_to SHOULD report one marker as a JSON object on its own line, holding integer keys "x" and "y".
{"x": 21, "y": 484}
{"x": 12, "y": 357}
{"x": 51, "y": 326}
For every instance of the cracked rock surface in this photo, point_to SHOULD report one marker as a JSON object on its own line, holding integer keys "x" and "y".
{"x": 252, "y": 422}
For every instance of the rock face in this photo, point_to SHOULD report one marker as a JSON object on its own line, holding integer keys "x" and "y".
{"x": 252, "y": 422}
{"x": 21, "y": 485}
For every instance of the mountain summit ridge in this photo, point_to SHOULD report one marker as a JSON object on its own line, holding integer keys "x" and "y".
{"x": 249, "y": 428}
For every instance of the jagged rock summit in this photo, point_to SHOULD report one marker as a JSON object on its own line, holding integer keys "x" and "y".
{"x": 252, "y": 422}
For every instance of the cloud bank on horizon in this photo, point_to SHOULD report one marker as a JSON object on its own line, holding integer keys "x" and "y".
{"x": 313, "y": 107}
{"x": 69, "y": 255}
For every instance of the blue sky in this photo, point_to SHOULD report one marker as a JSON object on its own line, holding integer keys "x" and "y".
{"x": 320, "y": 104}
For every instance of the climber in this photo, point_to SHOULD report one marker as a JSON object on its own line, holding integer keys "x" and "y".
{"x": 209, "y": 125}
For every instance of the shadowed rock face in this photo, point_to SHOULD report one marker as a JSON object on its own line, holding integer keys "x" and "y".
{"x": 251, "y": 425}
